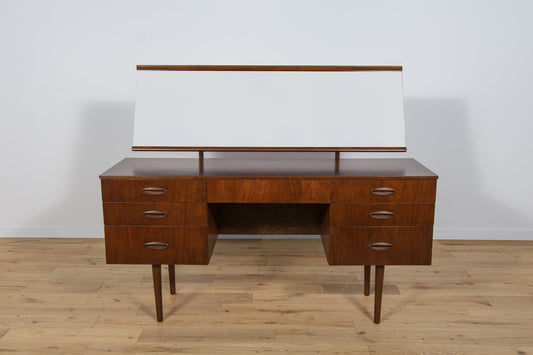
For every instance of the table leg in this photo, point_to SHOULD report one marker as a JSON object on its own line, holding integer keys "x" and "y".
{"x": 380, "y": 272}
{"x": 156, "y": 273}
{"x": 367, "y": 280}
{"x": 172, "y": 279}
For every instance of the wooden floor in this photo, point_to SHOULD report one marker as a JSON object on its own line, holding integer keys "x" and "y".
{"x": 265, "y": 296}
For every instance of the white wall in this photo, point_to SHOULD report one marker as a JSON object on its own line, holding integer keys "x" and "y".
{"x": 67, "y": 72}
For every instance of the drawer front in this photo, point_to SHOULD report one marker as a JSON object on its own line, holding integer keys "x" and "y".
{"x": 382, "y": 214}
{"x": 268, "y": 191}
{"x": 381, "y": 245}
{"x": 156, "y": 245}
{"x": 158, "y": 214}
{"x": 116, "y": 190}
{"x": 384, "y": 191}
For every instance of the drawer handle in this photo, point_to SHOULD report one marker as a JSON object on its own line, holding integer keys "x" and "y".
{"x": 154, "y": 214}
{"x": 382, "y": 214}
{"x": 380, "y": 246}
{"x": 154, "y": 191}
{"x": 383, "y": 191}
{"x": 156, "y": 245}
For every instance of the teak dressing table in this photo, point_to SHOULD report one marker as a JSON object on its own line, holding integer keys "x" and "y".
{"x": 171, "y": 210}
{"x": 367, "y": 211}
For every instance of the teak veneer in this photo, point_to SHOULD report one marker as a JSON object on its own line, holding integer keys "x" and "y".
{"x": 367, "y": 211}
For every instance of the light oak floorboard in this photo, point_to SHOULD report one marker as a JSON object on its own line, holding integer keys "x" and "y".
{"x": 57, "y": 296}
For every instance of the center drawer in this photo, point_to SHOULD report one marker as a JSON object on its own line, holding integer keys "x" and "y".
{"x": 268, "y": 191}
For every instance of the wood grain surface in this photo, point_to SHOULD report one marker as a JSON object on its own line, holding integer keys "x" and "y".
{"x": 268, "y": 191}
{"x": 259, "y": 168}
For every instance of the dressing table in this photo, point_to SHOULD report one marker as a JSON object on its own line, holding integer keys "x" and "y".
{"x": 368, "y": 212}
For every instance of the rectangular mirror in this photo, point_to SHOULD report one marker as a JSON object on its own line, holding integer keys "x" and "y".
{"x": 256, "y": 108}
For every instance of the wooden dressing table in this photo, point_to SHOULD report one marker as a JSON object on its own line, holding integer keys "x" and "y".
{"x": 367, "y": 211}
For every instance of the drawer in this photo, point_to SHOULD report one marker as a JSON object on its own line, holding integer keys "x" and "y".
{"x": 169, "y": 245}
{"x": 117, "y": 190}
{"x": 384, "y": 190}
{"x": 268, "y": 191}
{"x": 159, "y": 214}
{"x": 380, "y": 245}
{"x": 382, "y": 214}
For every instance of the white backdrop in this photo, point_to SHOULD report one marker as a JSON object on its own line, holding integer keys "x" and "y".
{"x": 67, "y": 71}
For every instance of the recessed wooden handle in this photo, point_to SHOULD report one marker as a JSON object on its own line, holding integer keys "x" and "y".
{"x": 154, "y": 191}
{"x": 156, "y": 245}
{"x": 383, "y": 191}
{"x": 380, "y": 246}
{"x": 154, "y": 214}
{"x": 382, "y": 214}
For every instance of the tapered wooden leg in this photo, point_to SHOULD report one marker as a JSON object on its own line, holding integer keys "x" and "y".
{"x": 172, "y": 279}
{"x": 380, "y": 272}
{"x": 156, "y": 273}
{"x": 367, "y": 280}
